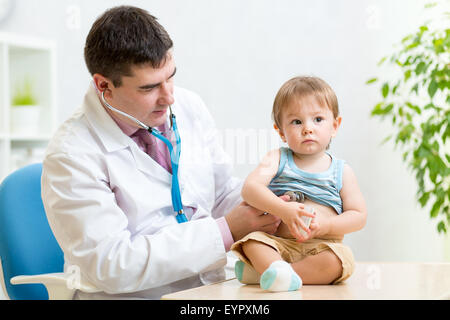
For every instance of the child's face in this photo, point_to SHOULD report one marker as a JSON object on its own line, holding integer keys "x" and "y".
{"x": 307, "y": 126}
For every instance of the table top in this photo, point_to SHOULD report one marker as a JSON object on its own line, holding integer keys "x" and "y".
{"x": 371, "y": 280}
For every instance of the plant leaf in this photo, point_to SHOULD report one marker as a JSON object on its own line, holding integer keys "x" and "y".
{"x": 432, "y": 88}
{"x": 382, "y": 61}
{"x": 436, "y": 207}
{"x": 407, "y": 75}
{"x": 441, "y": 227}
{"x": 386, "y": 139}
{"x": 377, "y": 110}
{"x": 414, "y": 107}
{"x": 420, "y": 67}
{"x": 424, "y": 199}
{"x": 371, "y": 80}
{"x": 385, "y": 90}
{"x": 415, "y": 88}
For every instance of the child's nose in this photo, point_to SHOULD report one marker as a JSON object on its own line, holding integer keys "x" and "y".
{"x": 307, "y": 129}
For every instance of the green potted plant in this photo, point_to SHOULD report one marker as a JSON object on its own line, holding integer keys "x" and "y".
{"x": 25, "y": 110}
{"x": 415, "y": 97}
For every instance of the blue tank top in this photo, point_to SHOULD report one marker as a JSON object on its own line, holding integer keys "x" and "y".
{"x": 322, "y": 187}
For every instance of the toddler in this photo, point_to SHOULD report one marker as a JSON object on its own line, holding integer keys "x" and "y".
{"x": 323, "y": 188}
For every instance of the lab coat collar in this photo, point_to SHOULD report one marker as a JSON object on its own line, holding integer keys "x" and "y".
{"x": 105, "y": 127}
{"x": 114, "y": 139}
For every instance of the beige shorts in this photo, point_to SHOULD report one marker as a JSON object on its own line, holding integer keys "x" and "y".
{"x": 292, "y": 251}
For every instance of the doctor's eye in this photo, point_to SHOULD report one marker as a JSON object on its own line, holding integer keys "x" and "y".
{"x": 296, "y": 122}
{"x": 147, "y": 89}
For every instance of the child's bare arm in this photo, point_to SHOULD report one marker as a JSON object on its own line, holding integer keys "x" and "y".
{"x": 354, "y": 215}
{"x": 256, "y": 194}
{"x": 255, "y": 191}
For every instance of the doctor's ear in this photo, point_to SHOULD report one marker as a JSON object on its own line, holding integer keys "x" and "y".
{"x": 102, "y": 83}
{"x": 280, "y": 133}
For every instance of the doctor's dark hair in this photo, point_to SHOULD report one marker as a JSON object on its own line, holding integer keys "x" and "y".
{"x": 122, "y": 37}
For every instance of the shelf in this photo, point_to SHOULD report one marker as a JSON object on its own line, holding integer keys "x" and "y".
{"x": 25, "y": 137}
{"x": 29, "y": 138}
{"x": 26, "y": 59}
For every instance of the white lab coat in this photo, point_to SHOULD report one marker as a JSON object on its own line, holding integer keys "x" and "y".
{"x": 109, "y": 204}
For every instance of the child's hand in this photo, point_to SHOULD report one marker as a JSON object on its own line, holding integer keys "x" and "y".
{"x": 320, "y": 225}
{"x": 291, "y": 216}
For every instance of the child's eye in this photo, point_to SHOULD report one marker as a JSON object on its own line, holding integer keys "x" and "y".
{"x": 296, "y": 122}
{"x": 319, "y": 119}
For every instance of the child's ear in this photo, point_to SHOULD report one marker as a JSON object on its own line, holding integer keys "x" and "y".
{"x": 336, "y": 125}
{"x": 280, "y": 133}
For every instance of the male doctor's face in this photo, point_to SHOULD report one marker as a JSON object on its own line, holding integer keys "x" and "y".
{"x": 146, "y": 95}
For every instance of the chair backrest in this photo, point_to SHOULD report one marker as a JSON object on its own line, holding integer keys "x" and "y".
{"x": 27, "y": 244}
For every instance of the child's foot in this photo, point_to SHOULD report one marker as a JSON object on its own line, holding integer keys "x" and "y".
{"x": 280, "y": 276}
{"x": 245, "y": 273}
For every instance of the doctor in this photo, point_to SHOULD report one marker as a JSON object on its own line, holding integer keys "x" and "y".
{"x": 106, "y": 185}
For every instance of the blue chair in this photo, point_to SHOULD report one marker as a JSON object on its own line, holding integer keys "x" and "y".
{"x": 27, "y": 244}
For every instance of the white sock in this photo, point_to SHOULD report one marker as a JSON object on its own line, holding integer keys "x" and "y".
{"x": 245, "y": 273}
{"x": 280, "y": 276}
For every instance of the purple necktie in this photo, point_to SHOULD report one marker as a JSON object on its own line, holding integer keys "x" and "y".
{"x": 158, "y": 150}
{"x": 155, "y": 147}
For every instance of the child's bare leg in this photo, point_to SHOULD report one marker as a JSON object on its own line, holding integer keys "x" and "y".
{"x": 276, "y": 274}
{"x": 260, "y": 255}
{"x": 322, "y": 268}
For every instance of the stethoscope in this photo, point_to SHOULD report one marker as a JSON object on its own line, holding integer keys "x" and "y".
{"x": 176, "y": 193}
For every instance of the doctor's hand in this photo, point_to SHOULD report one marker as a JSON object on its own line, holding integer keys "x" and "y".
{"x": 244, "y": 219}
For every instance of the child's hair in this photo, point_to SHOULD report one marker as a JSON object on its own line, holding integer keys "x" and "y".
{"x": 302, "y": 87}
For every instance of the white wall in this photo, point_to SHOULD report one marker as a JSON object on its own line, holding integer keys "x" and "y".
{"x": 236, "y": 54}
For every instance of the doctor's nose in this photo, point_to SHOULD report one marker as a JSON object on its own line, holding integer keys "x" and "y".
{"x": 166, "y": 94}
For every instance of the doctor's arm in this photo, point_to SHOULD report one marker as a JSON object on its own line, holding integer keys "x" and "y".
{"x": 93, "y": 233}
